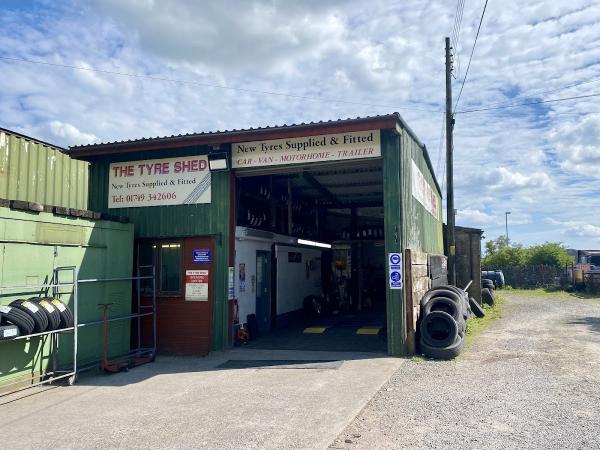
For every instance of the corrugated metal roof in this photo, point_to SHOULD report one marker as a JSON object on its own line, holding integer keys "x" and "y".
{"x": 246, "y": 134}
{"x": 144, "y": 140}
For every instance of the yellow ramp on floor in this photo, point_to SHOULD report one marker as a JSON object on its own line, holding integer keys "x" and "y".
{"x": 315, "y": 330}
{"x": 368, "y": 330}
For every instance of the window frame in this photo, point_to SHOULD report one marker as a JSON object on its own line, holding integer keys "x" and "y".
{"x": 157, "y": 244}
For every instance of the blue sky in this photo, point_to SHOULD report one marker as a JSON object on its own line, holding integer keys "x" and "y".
{"x": 352, "y": 58}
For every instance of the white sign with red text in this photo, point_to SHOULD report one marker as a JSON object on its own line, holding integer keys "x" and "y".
{"x": 424, "y": 193}
{"x": 302, "y": 150}
{"x": 196, "y": 285}
{"x": 169, "y": 181}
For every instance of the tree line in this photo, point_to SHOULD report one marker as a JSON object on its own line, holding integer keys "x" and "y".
{"x": 498, "y": 253}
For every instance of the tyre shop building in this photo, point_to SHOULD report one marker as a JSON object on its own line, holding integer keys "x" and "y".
{"x": 276, "y": 225}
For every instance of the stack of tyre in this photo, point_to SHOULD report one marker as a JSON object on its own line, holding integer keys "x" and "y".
{"x": 487, "y": 291}
{"x": 445, "y": 311}
{"x": 35, "y": 315}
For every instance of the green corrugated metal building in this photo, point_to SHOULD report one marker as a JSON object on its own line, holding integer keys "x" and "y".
{"x": 193, "y": 197}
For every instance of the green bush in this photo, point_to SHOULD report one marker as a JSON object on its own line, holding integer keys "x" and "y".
{"x": 499, "y": 254}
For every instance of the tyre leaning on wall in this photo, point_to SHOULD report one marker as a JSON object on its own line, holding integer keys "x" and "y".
{"x": 439, "y": 329}
{"x": 487, "y": 296}
{"x": 444, "y": 313}
{"x": 449, "y": 352}
{"x": 487, "y": 283}
{"x": 476, "y": 307}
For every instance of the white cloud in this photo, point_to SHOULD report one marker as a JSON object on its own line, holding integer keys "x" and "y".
{"x": 584, "y": 230}
{"x": 474, "y": 217}
{"x": 68, "y": 132}
{"x": 505, "y": 179}
{"x": 232, "y": 35}
{"x": 577, "y": 228}
{"x": 535, "y": 161}
{"x": 578, "y": 145}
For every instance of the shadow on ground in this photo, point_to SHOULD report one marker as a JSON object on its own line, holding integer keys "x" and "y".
{"x": 593, "y": 323}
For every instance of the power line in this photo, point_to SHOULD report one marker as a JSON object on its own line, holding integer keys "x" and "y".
{"x": 458, "y": 16}
{"x": 437, "y": 167}
{"x": 547, "y": 115}
{"x": 528, "y": 103}
{"x": 217, "y": 86}
{"x": 471, "y": 57}
{"x": 549, "y": 91}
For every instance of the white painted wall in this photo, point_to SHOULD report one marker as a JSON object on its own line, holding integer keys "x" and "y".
{"x": 292, "y": 283}
{"x": 245, "y": 253}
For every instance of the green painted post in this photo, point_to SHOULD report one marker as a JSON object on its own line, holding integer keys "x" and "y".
{"x": 392, "y": 202}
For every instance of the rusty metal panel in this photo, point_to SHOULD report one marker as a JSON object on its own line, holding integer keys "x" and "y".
{"x": 37, "y": 172}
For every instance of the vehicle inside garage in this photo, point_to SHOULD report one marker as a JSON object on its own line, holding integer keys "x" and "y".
{"x": 310, "y": 259}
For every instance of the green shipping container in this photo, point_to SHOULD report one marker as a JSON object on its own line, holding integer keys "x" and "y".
{"x": 32, "y": 244}
{"x": 35, "y": 171}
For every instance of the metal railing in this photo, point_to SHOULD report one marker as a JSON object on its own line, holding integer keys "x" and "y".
{"x": 58, "y": 287}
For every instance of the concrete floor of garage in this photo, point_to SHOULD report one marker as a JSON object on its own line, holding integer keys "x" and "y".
{"x": 340, "y": 334}
{"x": 295, "y": 401}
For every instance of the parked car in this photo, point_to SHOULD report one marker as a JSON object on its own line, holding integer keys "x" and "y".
{"x": 496, "y": 276}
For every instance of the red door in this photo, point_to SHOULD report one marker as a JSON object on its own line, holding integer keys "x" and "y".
{"x": 184, "y": 294}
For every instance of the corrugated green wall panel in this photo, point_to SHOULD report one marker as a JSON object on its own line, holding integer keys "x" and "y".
{"x": 35, "y": 172}
{"x": 393, "y": 191}
{"x": 421, "y": 230}
{"x": 178, "y": 221}
{"x": 31, "y": 246}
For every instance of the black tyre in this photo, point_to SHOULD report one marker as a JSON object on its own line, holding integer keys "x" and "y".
{"x": 66, "y": 316}
{"x": 438, "y": 329}
{"x": 35, "y": 312}
{"x": 435, "y": 292}
{"x": 487, "y": 284}
{"x": 487, "y": 297}
{"x": 19, "y": 318}
{"x": 449, "y": 352}
{"x": 443, "y": 304}
{"x": 476, "y": 308}
{"x": 52, "y": 313}
{"x": 456, "y": 289}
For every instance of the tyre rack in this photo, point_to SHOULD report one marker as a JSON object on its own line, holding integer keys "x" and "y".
{"x": 58, "y": 287}
{"x": 54, "y": 374}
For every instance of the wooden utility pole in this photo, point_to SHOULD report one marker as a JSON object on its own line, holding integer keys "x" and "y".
{"x": 450, "y": 239}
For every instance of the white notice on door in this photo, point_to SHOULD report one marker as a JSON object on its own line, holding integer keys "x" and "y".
{"x": 196, "y": 285}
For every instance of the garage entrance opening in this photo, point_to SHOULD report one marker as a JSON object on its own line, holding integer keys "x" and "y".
{"x": 310, "y": 264}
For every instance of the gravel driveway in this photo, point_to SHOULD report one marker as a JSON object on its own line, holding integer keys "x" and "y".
{"x": 532, "y": 380}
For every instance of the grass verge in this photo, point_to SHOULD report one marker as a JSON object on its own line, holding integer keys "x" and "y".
{"x": 476, "y": 326}
{"x": 540, "y": 292}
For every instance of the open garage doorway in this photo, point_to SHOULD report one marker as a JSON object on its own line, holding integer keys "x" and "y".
{"x": 310, "y": 265}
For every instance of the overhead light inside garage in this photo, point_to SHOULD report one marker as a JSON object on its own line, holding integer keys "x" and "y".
{"x": 313, "y": 243}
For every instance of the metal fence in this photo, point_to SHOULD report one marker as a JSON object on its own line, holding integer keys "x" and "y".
{"x": 592, "y": 282}
{"x": 531, "y": 277}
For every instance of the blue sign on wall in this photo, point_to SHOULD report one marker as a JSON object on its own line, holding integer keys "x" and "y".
{"x": 201, "y": 255}
{"x": 395, "y": 270}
